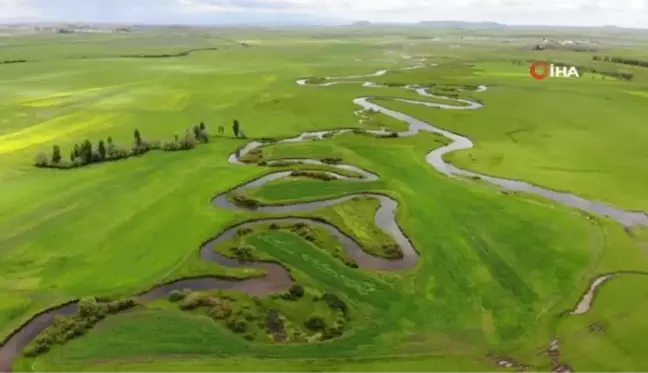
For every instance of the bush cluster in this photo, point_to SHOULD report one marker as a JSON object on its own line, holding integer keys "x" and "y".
{"x": 65, "y": 328}
{"x": 315, "y": 323}
{"x": 218, "y": 307}
{"x": 334, "y": 302}
{"x": 392, "y": 250}
{"x": 295, "y": 292}
{"x": 309, "y": 234}
{"x": 178, "y": 295}
{"x": 244, "y": 201}
{"x": 242, "y": 253}
{"x": 321, "y": 175}
{"x": 253, "y": 156}
{"x": 336, "y": 160}
{"x": 274, "y": 323}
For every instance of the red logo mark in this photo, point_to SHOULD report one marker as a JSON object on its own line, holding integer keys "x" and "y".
{"x": 539, "y": 70}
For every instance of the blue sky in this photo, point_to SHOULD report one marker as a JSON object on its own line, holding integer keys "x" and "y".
{"x": 631, "y": 13}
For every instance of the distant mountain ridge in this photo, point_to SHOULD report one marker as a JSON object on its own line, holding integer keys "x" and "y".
{"x": 485, "y": 25}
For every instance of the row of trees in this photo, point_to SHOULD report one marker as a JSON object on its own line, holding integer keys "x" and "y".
{"x": 625, "y": 61}
{"x": 85, "y": 153}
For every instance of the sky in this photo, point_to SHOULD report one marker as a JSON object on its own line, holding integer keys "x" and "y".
{"x": 625, "y": 13}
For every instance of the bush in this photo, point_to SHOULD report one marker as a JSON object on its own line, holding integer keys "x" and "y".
{"x": 274, "y": 226}
{"x": 120, "y": 305}
{"x": 41, "y": 160}
{"x": 253, "y": 156}
{"x": 315, "y": 324}
{"x": 244, "y": 201}
{"x": 178, "y": 295}
{"x": 237, "y": 325}
{"x": 331, "y": 160}
{"x": 321, "y": 175}
{"x": 296, "y": 291}
{"x": 192, "y": 301}
{"x": 242, "y": 253}
{"x": 244, "y": 232}
{"x": 89, "y": 308}
{"x": 334, "y": 302}
{"x": 392, "y": 250}
{"x": 220, "y": 310}
{"x": 273, "y": 322}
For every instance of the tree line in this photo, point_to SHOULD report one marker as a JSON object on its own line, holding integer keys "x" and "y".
{"x": 5, "y": 62}
{"x": 86, "y": 153}
{"x": 625, "y": 61}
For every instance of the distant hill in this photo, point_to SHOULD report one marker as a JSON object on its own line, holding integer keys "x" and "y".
{"x": 462, "y": 25}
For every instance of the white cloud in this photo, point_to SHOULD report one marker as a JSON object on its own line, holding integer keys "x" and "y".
{"x": 17, "y": 9}
{"x": 570, "y": 12}
{"x": 632, "y": 13}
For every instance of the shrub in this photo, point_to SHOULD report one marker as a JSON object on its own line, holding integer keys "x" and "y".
{"x": 315, "y": 323}
{"x": 331, "y": 160}
{"x": 253, "y": 156}
{"x": 178, "y": 295}
{"x": 392, "y": 250}
{"x": 41, "y": 160}
{"x": 334, "y": 302}
{"x": 321, "y": 175}
{"x": 89, "y": 308}
{"x": 220, "y": 310}
{"x": 244, "y": 201}
{"x": 237, "y": 325}
{"x": 274, "y": 226}
{"x": 242, "y": 253}
{"x": 36, "y": 349}
{"x": 192, "y": 301}
{"x": 274, "y": 322}
{"x": 155, "y": 144}
{"x": 296, "y": 291}
{"x": 244, "y": 232}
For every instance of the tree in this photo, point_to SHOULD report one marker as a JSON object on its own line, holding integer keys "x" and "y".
{"x": 76, "y": 151}
{"x": 196, "y": 131}
{"x": 56, "y": 154}
{"x": 72, "y": 156}
{"x": 110, "y": 147}
{"x": 86, "y": 152}
{"x": 235, "y": 128}
{"x": 202, "y": 126}
{"x": 102, "y": 150}
{"x": 138, "y": 138}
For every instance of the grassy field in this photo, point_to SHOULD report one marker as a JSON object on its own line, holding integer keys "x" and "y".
{"x": 495, "y": 269}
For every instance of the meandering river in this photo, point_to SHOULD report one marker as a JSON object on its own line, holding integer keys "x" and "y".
{"x": 277, "y": 278}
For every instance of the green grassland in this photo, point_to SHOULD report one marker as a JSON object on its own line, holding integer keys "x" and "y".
{"x": 495, "y": 269}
